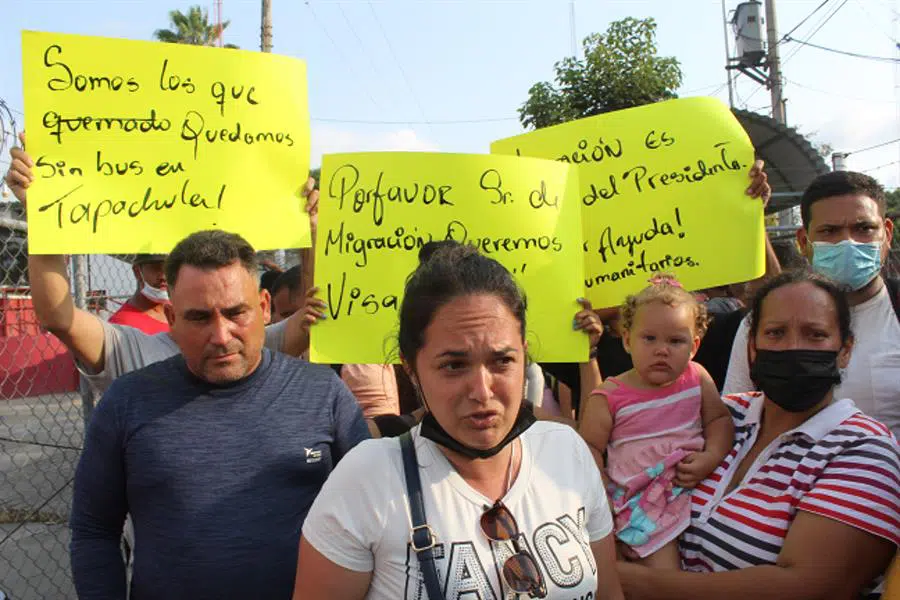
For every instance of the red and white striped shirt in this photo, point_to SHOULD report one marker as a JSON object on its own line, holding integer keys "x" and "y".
{"x": 839, "y": 464}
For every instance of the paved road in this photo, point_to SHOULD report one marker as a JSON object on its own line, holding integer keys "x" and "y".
{"x": 40, "y": 440}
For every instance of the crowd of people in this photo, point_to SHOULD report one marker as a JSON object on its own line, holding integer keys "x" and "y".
{"x": 247, "y": 472}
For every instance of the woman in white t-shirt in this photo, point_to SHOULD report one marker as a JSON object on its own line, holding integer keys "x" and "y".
{"x": 514, "y": 506}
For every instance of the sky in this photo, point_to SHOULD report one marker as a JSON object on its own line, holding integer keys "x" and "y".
{"x": 450, "y": 75}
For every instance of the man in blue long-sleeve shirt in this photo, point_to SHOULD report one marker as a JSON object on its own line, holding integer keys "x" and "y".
{"x": 217, "y": 453}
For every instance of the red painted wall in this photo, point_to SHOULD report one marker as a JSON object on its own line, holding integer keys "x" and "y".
{"x": 32, "y": 362}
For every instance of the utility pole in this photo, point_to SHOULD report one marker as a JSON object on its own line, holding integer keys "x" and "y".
{"x": 574, "y": 39}
{"x": 785, "y": 217}
{"x": 727, "y": 58}
{"x": 265, "y": 44}
{"x": 266, "y": 33}
{"x": 774, "y": 63}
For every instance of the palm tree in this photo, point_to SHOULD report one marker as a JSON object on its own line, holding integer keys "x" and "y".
{"x": 191, "y": 28}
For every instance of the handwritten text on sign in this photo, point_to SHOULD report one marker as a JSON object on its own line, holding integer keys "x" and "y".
{"x": 377, "y": 210}
{"x": 138, "y": 144}
{"x": 662, "y": 189}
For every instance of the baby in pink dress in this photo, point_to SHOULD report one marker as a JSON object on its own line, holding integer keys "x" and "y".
{"x": 662, "y": 425}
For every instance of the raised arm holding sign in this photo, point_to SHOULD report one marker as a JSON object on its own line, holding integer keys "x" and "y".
{"x": 77, "y": 73}
{"x": 85, "y": 334}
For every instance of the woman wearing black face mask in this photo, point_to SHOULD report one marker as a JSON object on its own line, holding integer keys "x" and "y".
{"x": 807, "y": 505}
{"x": 512, "y": 508}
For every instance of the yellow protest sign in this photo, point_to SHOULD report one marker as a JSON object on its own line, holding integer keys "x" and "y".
{"x": 662, "y": 189}
{"x": 138, "y": 144}
{"x": 377, "y": 210}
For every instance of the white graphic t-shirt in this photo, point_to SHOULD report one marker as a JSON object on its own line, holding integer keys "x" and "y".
{"x": 361, "y": 519}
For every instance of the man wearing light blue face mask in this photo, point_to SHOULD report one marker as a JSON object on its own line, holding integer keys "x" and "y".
{"x": 846, "y": 236}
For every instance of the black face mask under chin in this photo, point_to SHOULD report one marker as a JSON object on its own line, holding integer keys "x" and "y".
{"x": 795, "y": 380}
{"x": 433, "y": 431}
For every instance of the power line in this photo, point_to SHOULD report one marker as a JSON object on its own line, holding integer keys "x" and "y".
{"x": 368, "y": 56}
{"x": 795, "y": 28}
{"x": 704, "y": 88}
{"x": 737, "y": 98}
{"x": 826, "y": 92}
{"x": 818, "y": 27}
{"x": 341, "y": 55}
{"x": 397, "y": 62}
{"x": 881, "y": 145}
{"x": 805, "y": 19}
{"x": 827, "y": 19}
{"x": 815, "y": 28}
{"x": 875, "y": 21}
{"x": 352, "y": 30}
{"x": 720, "y": 88}
{"x": 890, "y": 8}
{"x": 821, "y": 24}
{"x": 890, "y": 164}
{"x": 846, "y": 53}
{"x": 753, "y": 93}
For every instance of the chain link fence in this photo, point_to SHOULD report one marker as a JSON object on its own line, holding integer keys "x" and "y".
{"x": 41, "y": 430}
{"x": 43, "y": 408}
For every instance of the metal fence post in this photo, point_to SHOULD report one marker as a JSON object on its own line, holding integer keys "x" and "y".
{"x": 80, "y": 285}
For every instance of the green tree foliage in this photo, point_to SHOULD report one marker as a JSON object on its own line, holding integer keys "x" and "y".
{"x": 620, "y": 69}
{"x": 893, "y": 202}
{"x": 191, "y": 28}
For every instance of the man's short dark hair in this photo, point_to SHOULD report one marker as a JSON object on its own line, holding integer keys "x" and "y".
{"x": 840, "y": 183}
{"x": 289, "y": 280}
{"x": 268, "y": 278}
{"x": 209, "y": 250}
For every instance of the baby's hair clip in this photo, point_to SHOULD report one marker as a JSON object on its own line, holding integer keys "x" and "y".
{"x": 665, "y": 280}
